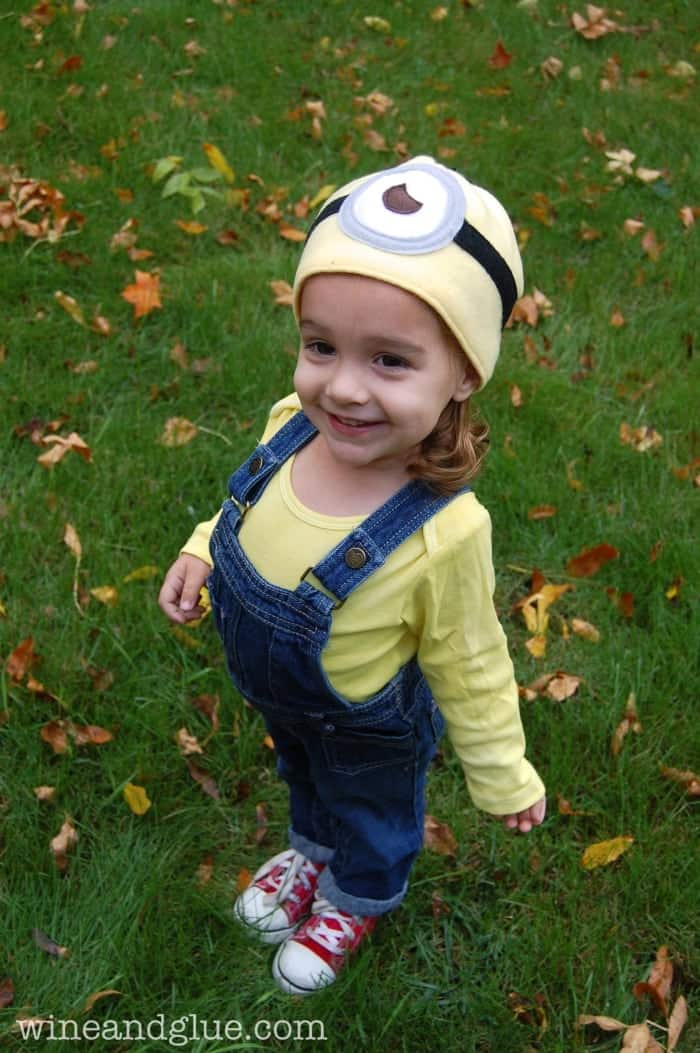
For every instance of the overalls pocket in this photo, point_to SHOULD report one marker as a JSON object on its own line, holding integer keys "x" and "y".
{"x": 350, "y": 752}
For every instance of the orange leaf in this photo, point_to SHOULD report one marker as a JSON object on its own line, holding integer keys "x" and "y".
{"x": 591, "y": 560}
{"x": 542, "y": 512}
{"x": 629, "y": 722}
{"x": 689, "y": 779}
{"x": 282, "y": 292}
{"x": 63, "y": 843}
{"x": 21, "y": 660}
{"x": 143, "y": 294}
{"x": 291, "y": 233}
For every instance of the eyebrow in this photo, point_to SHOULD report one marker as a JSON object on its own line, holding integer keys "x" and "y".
{"x": 374, "y": 339}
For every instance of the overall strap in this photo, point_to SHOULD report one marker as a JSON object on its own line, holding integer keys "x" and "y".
{"x": 248, "y": 482}
{"x": 369, "y": 545}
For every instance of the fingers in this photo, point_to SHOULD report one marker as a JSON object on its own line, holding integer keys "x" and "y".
{"x": 529, "y": 817}
{"x": 179, "y": 595}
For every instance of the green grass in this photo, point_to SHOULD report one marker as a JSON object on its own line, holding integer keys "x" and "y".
{"x": 520, "y": 914}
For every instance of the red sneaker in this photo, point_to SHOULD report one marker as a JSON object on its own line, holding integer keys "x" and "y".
{"x": 315, "y": 954}
{"x": 280, "y": 896}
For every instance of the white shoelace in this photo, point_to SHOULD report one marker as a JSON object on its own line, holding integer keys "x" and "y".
{"x": 331, "y": 938}
{"x": 294, "y": 866}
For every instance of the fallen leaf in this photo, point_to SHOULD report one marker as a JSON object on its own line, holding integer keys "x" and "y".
{"x": 500, "y": 58}
{"x": 106, "y": 594}
{"x": 528, "y": 1011}
{"x": 205, "y": 780}
{"x": 565, "y": 808}
{"x": 591, "y": 560}
{"x": 380, "y": 25}
{"x": 676, "y": 1023}
{"x": 688, "y": 779}
{"x": 7, "y": 992}
{"x": 585, "y": 630}
{"x": 49, "y": 946}
{"x": 542, "y": 512}
{"x": 60, "y": 446}
{"x": 137, "y": 798}
{"x": 98, "y": 996}
{"x": 438, "y": 837}
{"x": 282, "y": 292}
{"x": 624, "y": 601}
{"x": 205, "y": 870}
{"x": 63, "y": 843}
{"x": 291, "y": 233}
{"x": 604, "y": 852}
{"x": 261, "y": 823}
{"x": 641, "y": 439}
{"x": 186, "y": 743}
{"x": 617, "y": 318}
{"x": 629, "y": 722}
{"x": 191, "y": 227}
{"x": 243, "y": 879}
{"x": 209, "y": 705}
{"x": 178, "y": 431}
{"x": 639, "y": 1039}
{"x": 658, "y": 985}
{"x": 45, "y": 793}
{"x": 537, "y": 646}
{"x": 89, "y": 734}
{"x": 604, "y": 1022}
{"x": 70, "y": 305}
{"x": 217, "y": 160}
{"x": 143, "y": 294}
{"x": 142, "y": 573}
{"x": 54, "y": 733}
{"x": 71, "y": 539}
{"x": 21, "y": 660}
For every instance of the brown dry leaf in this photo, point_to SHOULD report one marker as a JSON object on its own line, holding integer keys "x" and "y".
{"x": 261, "y": 822}
{"x": 605, "y": 1023}
{"x": 71, "y": 539}
{"x": 438, "y": 837}
{"x": 658, "y": 985}
{"x": 49, "y": 946}
{"x": 639, "y": 1039}
{"x": 7, "y": 992}
{"x": 564, "y": 807}
{"x": 186, "y": 743}
{"x": 640, "y": 439}
{"x": 63, "y": 843}
{"x": 106, "y": 594}
{"x": 55, "y": 734}
{"x": 205, "y": 780}
{"x": 89, "y": 734}
{"x": 585, "y": 629}
{"x": 21, "y": 660}
{"x": 282, "y": 292}
{"x": 604, "y": 852}
{"x": 98, "y": 996}
{"x": 617, "y": 318}
{"x": 529, "y": 1011}
{"x": 126, "y": 237}
{"x": 191, "y": 227}
{"x": 209, "y": 705}
{"x": 688, "y": 214}
{"x": 551, "y": 67}
{"x": 205, "y": 870}
{"x": 595, "y": 25}
{"x": 632, "y": 227}
{"x": 291, "y": 233}
{"x": 591, "y": 560}
{"x": 60, "y": 446}
{"x": 137, "y": 798}
{"x": 689, "y": 779}
{"x": 630, "y": 722}
{"x": 542, "y": 512}
{"x": 516, "y": 397}
{"x": 45, "y": 793}
{"x": 562, "y": 686}
{"x": 143, "y": 294}
{"x": 178, "y": 431}
{"x": 676, "y": 1023}
{"x": 652, "y": 246}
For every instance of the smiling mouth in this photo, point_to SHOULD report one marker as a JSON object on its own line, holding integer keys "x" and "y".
{"x": 352, "y": 422}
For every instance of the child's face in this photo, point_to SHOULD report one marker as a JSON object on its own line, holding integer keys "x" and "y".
{"x": 376, "y": 368}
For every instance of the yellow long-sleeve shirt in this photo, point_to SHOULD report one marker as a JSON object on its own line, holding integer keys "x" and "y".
{"x": 432, "y": 598}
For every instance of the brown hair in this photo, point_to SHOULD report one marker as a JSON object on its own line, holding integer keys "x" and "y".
{"x": 452, "y": 454}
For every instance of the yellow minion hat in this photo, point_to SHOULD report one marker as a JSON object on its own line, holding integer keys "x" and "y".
{"x": 425, "y": 228}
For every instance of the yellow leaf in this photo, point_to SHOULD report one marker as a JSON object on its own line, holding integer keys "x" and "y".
{"x": 97, "y": 996}
{"x": 604, "y": 852}
{"x": 106, "y": 594}
{"x": 186, "y": 743}
{"x": 191, "y": 226}
{"x": 322, "y": 195}
{"x": 142, "y": 573}
{"x": 71, "y": 539}
{"x": 70, "y": 305}
{"x": 137, "y": 798}
{"x": 380, "y": 25}
{"x": 217, "y": 160}
{"x": 585, "y": 630}
{"x": 537, "y": 645}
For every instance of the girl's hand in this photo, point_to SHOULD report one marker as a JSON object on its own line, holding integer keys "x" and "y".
{"x": 525, "y": 820}
{"x": 179, "y": 595}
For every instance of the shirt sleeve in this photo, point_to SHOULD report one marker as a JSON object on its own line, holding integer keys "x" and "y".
{"x": 464, "y": 655}
{"x": 198, "y": 543}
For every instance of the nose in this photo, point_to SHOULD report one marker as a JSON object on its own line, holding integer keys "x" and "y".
{"x": 346, "y": 384}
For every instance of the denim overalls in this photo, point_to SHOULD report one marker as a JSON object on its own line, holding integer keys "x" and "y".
{"x": 355, "y": 770}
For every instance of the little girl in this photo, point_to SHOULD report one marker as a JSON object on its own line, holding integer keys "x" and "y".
{"x": 350, "y": 570}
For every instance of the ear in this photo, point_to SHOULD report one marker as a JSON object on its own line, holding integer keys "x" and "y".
{"x": 467, "y": 382}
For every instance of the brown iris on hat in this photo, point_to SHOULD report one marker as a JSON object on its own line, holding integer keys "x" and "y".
{"x": 398, "y": 199}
